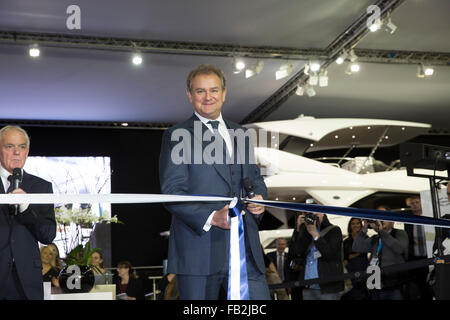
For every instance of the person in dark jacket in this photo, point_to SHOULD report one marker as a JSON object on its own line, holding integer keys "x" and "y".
{"x": 26, "y": 226}
{"x": 128, "y": 283}
{"x": 388, "y": 247}
{"x": 317, "y": 253}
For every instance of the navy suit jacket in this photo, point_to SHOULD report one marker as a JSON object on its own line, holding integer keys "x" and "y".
{"x": 192, "y": 251}
{"x": 19, "y": 236}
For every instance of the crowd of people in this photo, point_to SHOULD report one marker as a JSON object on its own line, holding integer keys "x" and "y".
{"x": 128, "y": 285}
{"x": 319, "y": 251}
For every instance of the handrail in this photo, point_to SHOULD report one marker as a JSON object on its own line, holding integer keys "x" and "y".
{"x": 139, "y": 268}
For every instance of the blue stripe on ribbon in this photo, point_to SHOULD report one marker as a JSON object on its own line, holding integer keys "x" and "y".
{"x": 243, "y": 287}
{"x": 356, "y": 212}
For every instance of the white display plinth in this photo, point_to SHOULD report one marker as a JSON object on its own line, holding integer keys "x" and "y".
{"x": 83, "y": 296}
{"x": 99, "y": 292}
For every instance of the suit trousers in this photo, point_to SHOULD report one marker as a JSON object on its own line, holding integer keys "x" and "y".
{"x": 215, "y": 286}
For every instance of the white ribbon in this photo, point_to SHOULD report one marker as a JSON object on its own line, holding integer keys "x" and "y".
{"x": 40, "y": 198}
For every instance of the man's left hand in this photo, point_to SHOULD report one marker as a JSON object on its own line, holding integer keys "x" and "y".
{"x": 255, "y": 208}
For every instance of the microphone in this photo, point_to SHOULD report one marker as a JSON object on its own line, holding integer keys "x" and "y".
{"x": 16, "y": 178}
{"x": 248, "y": 186}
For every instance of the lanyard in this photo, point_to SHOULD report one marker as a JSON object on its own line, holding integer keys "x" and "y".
{"x": 380, "y": 245}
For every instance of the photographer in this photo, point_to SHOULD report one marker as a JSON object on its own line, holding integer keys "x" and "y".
{"x": 317, "y": 253}
{"x": 389, "y": 246}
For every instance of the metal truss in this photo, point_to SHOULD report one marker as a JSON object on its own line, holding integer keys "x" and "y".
{"x": 220, "y": 50}
{"x": 87, "y": 124}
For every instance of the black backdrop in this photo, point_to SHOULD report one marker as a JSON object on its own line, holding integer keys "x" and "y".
{"x": 134, "y": 163}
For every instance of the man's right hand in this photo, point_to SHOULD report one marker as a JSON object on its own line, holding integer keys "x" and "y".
{"x": 220, "y": 218}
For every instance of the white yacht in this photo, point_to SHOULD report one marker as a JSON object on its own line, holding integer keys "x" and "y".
{"x": 291, "y": 174}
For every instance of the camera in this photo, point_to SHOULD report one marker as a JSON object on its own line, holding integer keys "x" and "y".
{"x": 371, "y": 221}
{"x": 310, "y": 218}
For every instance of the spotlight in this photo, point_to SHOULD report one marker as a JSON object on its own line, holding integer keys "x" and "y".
{"x": 342, "y": 57}
{"x": 310, "y": 91}
{"x": 352, "y": 68}
{"x": 284, "y": 71}
{"x": 423, "y": 71}
{"x": 314, "y": 66}
{"x": 374, "y": 27}
{"x": 238, "y": 66}
{"x": 306, "y": 69}
{"x": 420, "y": 72}
{"x": 428, "y": 71}
{"x": 137, "y": 59}
{"x": 390, "y": 27}
{"x": 255, "y": 69}
{"x": 313, "y": 79}
{"x": 323, "y": 79}
{"x": 34, "y": 51}
{"x": 300, "y": 90}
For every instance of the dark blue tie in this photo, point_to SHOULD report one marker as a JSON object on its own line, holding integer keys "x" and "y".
{"x": 11, "y": 185}
{"x": 214, "y": 124}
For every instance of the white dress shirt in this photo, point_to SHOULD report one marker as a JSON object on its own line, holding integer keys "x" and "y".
{"x": 223, "y": 131}
{"x": 4, "y": 174}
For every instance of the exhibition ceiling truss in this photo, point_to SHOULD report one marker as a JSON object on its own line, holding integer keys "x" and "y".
{"x": 345, "y": 42}
{"x": 219, "y": 50}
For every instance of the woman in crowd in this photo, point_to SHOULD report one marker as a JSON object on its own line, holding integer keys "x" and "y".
{"x": 49, "y": 272}
{"x": 97, "y": 261}
{"x": 127, "y": 283}
{"x": 57, "y": 262}
{"x": 355, "y": 261}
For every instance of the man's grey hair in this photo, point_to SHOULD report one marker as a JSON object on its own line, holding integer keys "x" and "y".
{"x": 9, "y": 127}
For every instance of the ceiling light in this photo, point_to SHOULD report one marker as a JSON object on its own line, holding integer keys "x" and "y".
{"x": 313, "y": 79}
{"x": 428, "y": 71}
{"x": 420, "y": 72}
{"x": 238, "y": 65}
{"x": 352, "y": 68}
{"x": 300, "y": 90}
{"x": 323, "y": 79}
{"x": 389, "y": 26}
{"x": 342, "y": 57}
{"x": 306, "y": 69}
{"x": 423, "y": 71}
{"x": 314, "y": 66}
{"x": 34, "y": 51}
{"x": 255, "y": 69}
{"x": 310, "y": 91}
{"x": 284, "y": 71}
{"x": 137, "y": 59}
{"x": 374, "y": 27}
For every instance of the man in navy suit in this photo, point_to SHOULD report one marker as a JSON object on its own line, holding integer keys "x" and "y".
{"x": 200, "y": 232}
{"x": 20, "y": 260}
